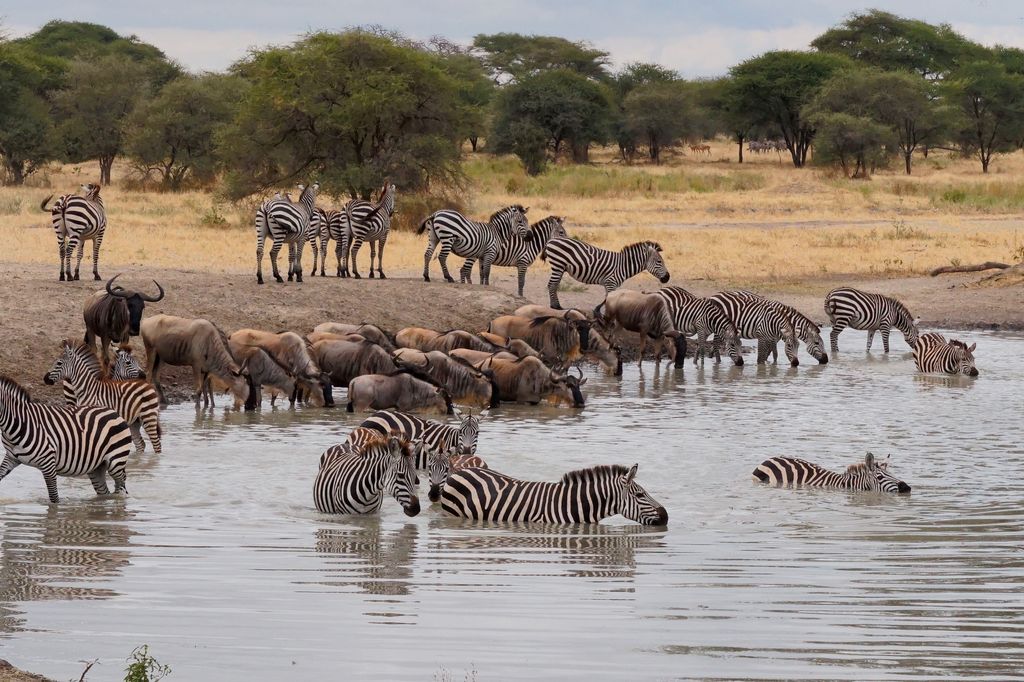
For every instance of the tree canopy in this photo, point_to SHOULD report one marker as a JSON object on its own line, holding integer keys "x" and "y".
{"x": 513, "y": 56}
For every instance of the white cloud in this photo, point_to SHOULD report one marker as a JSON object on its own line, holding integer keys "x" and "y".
{"x": 1010, "y": 35}
{"x": 207, "y": 50}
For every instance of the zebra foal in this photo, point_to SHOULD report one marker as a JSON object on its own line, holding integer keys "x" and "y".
{"x": 62, "y": 441}
{"x": 353, "y": 479}
{"x": 856, "y": 309}
{"x": 77, "y": 220}
{"x": 590, "y": 265}
{"x": 869, "y": 475}
{"x": 933, "y": 353}
{"x": 583, "y": 496}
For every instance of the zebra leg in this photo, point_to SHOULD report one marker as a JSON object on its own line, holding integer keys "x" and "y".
{"x": 522, "y": 277}
{"x": 885, "y": 337}
{"x": 275, "y": 249}
{"x": 323, "y": 254}
{"x": 485, "y": 269}
{"x": 431, "y": 245}
{"x": 9, "y": 464}
{"x": 117, "y": 473}
{"x": 291, "y": 260}
{"x": 136, "y": 429}
{"x": 871, "y": 337}
{"x": 299, "y": 248}
{"x": 762, "y": 352}
{"x": 346, "y": 247}
{"x": 259, "y": 259}
{"x": 151, "y": 423}
{"x": 553, "y": 281}
{"x": 357, "y": 243}
{"x": 81, "y": 252}
{"x": 442, "y": 258}
{"x": 380, "y": 257}
{"x": 837, "y": 328}
{"x": 337, "y": 254}
{"x": 96, "y": 242}
{"x": 47, "y": 465}
{"x": 316, "y": 255}
{"x": 466, "y": 271}
{"x": 98, "y": 477}
{"x": 60, "y": 249}
{"x": 373, "y": 255}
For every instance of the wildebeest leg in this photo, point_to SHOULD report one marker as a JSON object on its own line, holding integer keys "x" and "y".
{"x": 380, "y": 257}
{"x": 837, "y": 327}
{"x": 643, "y": 347}
{"x": 275, "y": 249}
{"x": 98, "y": 477}
{"x": 466, "y": 271}
{"x": 871, "y": 337}
{"x": 136, "y": 429}
{"x": 153, "y": 367}
{"x": 442, "y": 258}
{"x": 885, "y": 337}
{"x": 199, "y": 381}
{"x": 97, "y": 240}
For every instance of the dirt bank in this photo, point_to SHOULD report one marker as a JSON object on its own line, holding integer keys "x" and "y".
{"x": 38, "y": 311}
{"x": 8, "y": 673}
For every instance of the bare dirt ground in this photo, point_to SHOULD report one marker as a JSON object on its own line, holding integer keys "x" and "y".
{"x": 38, "y": 311}
{"x": 8, "y": 673}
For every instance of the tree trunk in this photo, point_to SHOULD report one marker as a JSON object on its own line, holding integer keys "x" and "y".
{"x": 906, "y": 159}
{"x": 472, "y": 142}
{"x": 16, "y": 170}
{"x": 106, "y": 163}
{"x": 739, "y": 139}
{"x": 581, "y": 152}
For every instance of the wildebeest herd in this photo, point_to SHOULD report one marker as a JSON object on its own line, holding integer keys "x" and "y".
{"x": 525, "y": 356}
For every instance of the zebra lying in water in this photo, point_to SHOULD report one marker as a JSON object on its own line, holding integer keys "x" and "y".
{"x": 354, "y": 478}
{"x": 583, "y": 496}
{"x": 869, "y": 475}
{"x": 933, "y": 353}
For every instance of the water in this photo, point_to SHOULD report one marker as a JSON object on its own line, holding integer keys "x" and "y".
{"x": 219, "y": 562}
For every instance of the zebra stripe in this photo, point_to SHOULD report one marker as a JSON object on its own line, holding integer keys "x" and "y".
{"x": 136, "y": 402}
{"x": 471, "y": 239}
{"x": 805, "y": 329}
{"x": 703, "y": 317}
{"x": 329, "y": 224}
{"x": 869, "y": 475}
{"x": 761, "y": 319}
{"x": 584, "y": 496}
{"x": 849, "y": 307}
{"x": 520, "y": 253}
{"x": 434, "y": 435}
{"x": 285, "y": 223}
{"x": 354, "y": 481}
{"x": 62, "y": 441}
{"x": 369, "y": 223}
{"x": 317, "y": 235}
{"x": 933, "y": 353}
{"x": 590, "y": 265}
{"x": 76, "y": 220}
{"x": 126, "y": 366}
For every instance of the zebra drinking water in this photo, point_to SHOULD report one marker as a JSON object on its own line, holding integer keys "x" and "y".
{"x": 433, "y": 434}
{"x": 354, "y": 481}
{"x": 62, "y": 441}
{"x": 849, "y": 307}
{"x": 805, "y": 329}
{"x": 583, "y": 496}
{"x": 703, "y": 317}
{"x": 761, "y": 319}
{"x": 588, "y": 264}
{"x": 75, "y": 221}
{"x": 933, "y": 353}
{"x": 869, "y": 475}
{"x": 369, "y": 223}
{"x": 471, "y": 239}
{"x": 520, "y": 253}
{"x": 285, "y": 223}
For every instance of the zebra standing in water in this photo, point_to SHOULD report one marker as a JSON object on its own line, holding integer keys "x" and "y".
{"x": 62, "y": 441}
{"x": 354, "y": 481}
{"x": 588, "y": 264}
{"x": 520, "y": 253}
{"x": 932, "y": 353}
{"x": 76, "y": 220}
{"x": 703, "y": 317}
{"x": 433, "y": 434}
{"x": 471, "y": 239}
{"x": 584, "y": 496}
{"x": 369, "y": 223}
{"x": 869, "y": 475}
{"x": 135, "y": 401}
{"x": 805, "y": 329}
{"x": 849, "y": 307}
{"x": 285, "y": 223}
{"x": 761, "y": 319}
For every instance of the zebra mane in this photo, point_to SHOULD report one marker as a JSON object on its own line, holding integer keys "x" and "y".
{"x": 957, "y": 343}
{"x": 902, "y": 308}
{"x": 643, "y": 244}
{"x": 10, "y": 384}
{"x": 503, "y": 211}
{"x": 857, "y": 468}
{"x": 600, "y": 471}
{"x": 85, "y": 353}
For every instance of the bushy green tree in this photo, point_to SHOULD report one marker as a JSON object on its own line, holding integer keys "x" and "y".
{"x": 475, "y": 88}
{"x": 514, "y": 57}
{"x": 631, "y": 77}
{"x": 990, "y": 102}
{"x": 25, "y": 123}
{"x": 351, "y": 108}
{"x": 661, "y": 114}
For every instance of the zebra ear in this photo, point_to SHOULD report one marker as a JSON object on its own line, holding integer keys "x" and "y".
{"x": 869, "y": 460}
{"x": 631, "y": 474}
{"x": 972, "y": 347}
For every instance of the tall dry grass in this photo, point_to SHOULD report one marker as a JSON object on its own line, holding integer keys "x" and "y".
{"x": 762, "y": 221}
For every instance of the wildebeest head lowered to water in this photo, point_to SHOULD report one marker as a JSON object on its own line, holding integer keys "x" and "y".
{"x": 114, "y": 315}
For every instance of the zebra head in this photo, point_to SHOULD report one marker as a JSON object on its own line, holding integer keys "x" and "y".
{"x": 964, "y": 357}
{"x": 886, "y": 482}
{"x": 126, "y": 366}
{"x": 469, "y": 429}
{"x": 59, "y": 368}
{"x": 655, "y": 264}
{"x": 520, "y": 225}
{"x": 439, "y": 466}
{"x": 732, "y": 344}
{"x": 91, "y": 191}
{"x": 635, "y": 503}
{"x": 811, "y": 336}
{"x": 402, "y": 475}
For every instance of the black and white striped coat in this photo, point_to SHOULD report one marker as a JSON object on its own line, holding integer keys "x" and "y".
{"x": 871, "y": 475}
{"x": 82, "y": 379}
{"x": 354, "y": 480}
{"x": 434, "y": 435}
{"x": 471, "y": 239}
{"x": 520, "y": 253}
{"x": 849, "y": 307}
{"x": 584, "y": 496}
{"x": 126, "y": 366}
{"x": 327, "y": 224}
{"x": 285, "y": 223}
{"x": 761, "y": 319}
{"x": 702, "y": 317}
{"x": 62, "y": 441}
{"x": 588, "y": 264}
{"x": 805, "y": 329}
{"x": 76, "y": 220}
{"x": 317, "y": 235}
{"x": 933, "y": 353}
{"x": 371, "y": 223}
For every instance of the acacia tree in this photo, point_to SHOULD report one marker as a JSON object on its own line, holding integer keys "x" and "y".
{"x": 25, "y": 123}
{"x": 95, "y": 106}
{"x": 990, "y": 100}
{"x": 631, "y": 77}
{"x": 514, "y": 57}
{"x": 660, "y": 114}
{"x": 774, "y": 88}
{"x": 352, "y": 108}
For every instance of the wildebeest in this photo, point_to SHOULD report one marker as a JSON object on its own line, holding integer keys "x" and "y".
{"x": 199, "y": 344}
{"x": 114, "y": 315}
{"x": 292, "y": 352}
{"x": 345, "y": 360}
{"x": 464, "y": 383}
{"x": 529, "y": 380}
{"x": 264, "y": 370}
{"x": 532, "y": 310}
{"x": 475, "y": 356}
{"x": 424, "y": 339}
{"x": 400, "y": 390}
{"x": 369, "y": 332}
{"x": 644, "y": 314}
{"x": 558, "y": 341}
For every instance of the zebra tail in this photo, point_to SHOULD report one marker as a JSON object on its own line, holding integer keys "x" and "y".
{"x": 42, "y": 206}
{"x": 423, "y": 226}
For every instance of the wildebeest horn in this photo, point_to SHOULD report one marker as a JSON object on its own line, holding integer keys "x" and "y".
{"x": 579, "y": 369}
{"x": 118, "y": 291}
{"x": 150, "y": 299}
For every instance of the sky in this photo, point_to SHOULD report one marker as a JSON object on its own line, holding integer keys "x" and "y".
{"x": 695, "y": 37}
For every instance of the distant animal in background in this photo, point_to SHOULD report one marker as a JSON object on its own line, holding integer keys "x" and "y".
{"x": 933, "y": 353}
{"x": 76, "y": 220}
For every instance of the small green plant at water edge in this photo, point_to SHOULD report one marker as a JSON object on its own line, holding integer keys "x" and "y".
{"x": 144, "y": 668}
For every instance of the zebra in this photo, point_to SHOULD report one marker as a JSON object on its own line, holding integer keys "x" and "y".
{"x": 285, "y": 223}
{"x": 62, "y": 441}
{"x": 703, "y": 317}
{"x": 583, "y": 496}
{"x": 471, "y": 239}
{"x": 761, "y": 319}
{"x": 432, "y": 434}
{"x": 317, "y": 235}
{"x": 591, "y": 265}
{"x": 520, "y": 253}
{"x": 933, "y": 353}
{"x": 805, "y": 329}
{"x": 849, "y": 307}
{"x": 369, "y": 223}
{"x": 76, "y": 220}
{"x": 135, "y": 401}
{"x": 869, "y": 475}
{"x": 126, "y": 366}
{"x": 354, "y": 481}
{"x": 330, "y": 225}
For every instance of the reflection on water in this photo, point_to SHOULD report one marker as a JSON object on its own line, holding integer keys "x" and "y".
{"x": 219, "y": 561}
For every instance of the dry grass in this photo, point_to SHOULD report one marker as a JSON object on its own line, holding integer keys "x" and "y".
{"x": 762, "y": 221}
